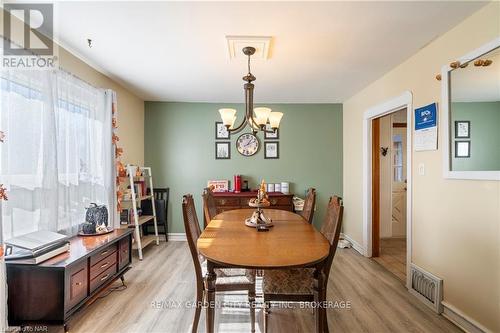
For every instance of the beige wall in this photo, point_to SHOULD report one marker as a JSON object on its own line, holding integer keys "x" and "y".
{"x": 456, "y": 223}
{"x": 130, "y": 107}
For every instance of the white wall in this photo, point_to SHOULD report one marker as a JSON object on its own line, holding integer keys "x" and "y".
{"x": 456, "y": 223}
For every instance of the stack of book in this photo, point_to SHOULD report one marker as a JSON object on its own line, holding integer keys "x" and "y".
{"x": 35, "y": 247}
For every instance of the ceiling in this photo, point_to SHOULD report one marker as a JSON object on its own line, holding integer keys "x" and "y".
{"x": 321, "y": 52}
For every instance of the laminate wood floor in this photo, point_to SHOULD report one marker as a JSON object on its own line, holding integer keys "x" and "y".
{"x": 393, "y": 256}
{"x": 160, "y": 286}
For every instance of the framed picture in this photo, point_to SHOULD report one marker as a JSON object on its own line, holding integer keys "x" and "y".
{"x": 221, "y": 132}
{"x": 462, "y": 149}
{"x": 462, "y": 129}
{"x": 271, "y": 150}
{"x": 275, "y": 135}
{"x": 222, "y": 150}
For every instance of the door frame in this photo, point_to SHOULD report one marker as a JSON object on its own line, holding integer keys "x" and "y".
{"x": 405, "y": 100}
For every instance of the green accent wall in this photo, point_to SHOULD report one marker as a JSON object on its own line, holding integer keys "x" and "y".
{"x": 484, "y": 139}
{"x": 179, "y": 145}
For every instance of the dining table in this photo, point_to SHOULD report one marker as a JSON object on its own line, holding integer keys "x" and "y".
{"x": 227, "y": 242}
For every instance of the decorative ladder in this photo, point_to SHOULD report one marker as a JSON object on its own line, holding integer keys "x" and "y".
{"x": 140, "y": 240}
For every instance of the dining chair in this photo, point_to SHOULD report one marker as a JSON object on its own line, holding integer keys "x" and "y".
{"x": 297, "y": 285}
{"x": 209, "y": 206}
{"x": 228, "y": 279}
{"x": 308, "y": 210}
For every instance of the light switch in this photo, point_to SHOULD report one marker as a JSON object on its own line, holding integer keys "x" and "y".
{"x": 421, "y": 169}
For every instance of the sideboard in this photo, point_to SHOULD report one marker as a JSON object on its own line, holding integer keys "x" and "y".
{"x": 229, "y": 200}
{"x": 50, "y": 292}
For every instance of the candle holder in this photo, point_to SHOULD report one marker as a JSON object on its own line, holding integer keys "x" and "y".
{"x": 258, "y": 219}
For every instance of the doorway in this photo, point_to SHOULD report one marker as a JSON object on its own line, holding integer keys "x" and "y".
{"x": 372, "y": 182}
{"x": 389, "y": 150}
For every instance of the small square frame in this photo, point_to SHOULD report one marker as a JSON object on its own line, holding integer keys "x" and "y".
{"x": 457, "y": 123}
{"x": 222, "y": 143}
{"x": 267, "y": 143}
{"x": 217, "y": 137}
{"x": 456, "y": 149}
{"x": 272, "y": 136}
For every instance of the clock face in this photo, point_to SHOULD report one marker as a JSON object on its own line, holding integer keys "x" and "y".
{"x": 247, "y": 144}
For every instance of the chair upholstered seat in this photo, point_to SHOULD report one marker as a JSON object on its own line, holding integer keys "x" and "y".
{"x": 298, "y": 281}
{"x": 226, "y": 276}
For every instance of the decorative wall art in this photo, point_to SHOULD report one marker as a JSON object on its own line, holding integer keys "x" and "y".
{"x": 271, "y": 150}
{"x": 222, "y": 150}
{"x": 221, "y": 132}
{"x": 462, "y": 129}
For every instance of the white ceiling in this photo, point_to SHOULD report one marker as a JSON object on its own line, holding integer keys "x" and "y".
{"x": 321, "y": 52}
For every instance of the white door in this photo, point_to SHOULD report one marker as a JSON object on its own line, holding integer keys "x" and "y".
{"x": 398, "y": 181}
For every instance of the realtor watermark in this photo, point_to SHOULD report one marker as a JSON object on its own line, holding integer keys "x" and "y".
{"x": 173, "y": 304}
{"x": 28, "y": 30}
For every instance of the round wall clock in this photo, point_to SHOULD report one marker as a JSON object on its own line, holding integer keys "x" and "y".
{"x": 247, "y": 144}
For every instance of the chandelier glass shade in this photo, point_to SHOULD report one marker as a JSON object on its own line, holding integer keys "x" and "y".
{"x": 257, "y": 118}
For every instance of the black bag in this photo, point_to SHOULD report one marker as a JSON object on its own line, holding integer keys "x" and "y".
{"x": 97, "y": 215}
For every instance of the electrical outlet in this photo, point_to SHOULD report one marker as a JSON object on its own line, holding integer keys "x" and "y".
{"x": 421, "y": 169}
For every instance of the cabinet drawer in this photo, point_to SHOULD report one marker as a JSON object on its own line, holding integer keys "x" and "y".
{"x": 102, "y": 265}
{"x": 102, "y": 278}
{"x": 288, "y": 208}
{"x": 280, "y": 201}
{"x": 78, "y": 284}
{"x": 123, "y": 255}
{"x": 226, "y": 201}
{"x": 244, "y": 202}
{"x": 102, "y": 254}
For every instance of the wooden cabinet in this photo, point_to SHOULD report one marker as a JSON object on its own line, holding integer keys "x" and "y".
{"x": 124, "y": 253}
{"x": 50, "y": 292}
{"x": 225, "y": 201}
{"x": 78, "y": 284}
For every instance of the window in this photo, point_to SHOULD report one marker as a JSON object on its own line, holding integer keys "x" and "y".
{"x": 57, "y": 156}
{"x": 397, "y": 163}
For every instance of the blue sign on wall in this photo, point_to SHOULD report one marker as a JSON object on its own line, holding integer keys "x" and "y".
{"x": 426, "y": 116}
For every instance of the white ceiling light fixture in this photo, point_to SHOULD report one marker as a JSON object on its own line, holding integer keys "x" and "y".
{"x": 261, "y": 44}
{"x": 256, "y": 118}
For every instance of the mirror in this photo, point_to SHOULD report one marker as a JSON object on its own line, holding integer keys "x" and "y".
{"x": 474, "y": 114}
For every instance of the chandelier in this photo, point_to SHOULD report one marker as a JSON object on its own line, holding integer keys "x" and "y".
{"x": 256, "y": 118}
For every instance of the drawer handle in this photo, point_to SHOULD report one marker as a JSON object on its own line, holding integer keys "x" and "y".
{"x": 274, "y": 201}
{"x": 104, "y": 253}
{"x": 104, "y": 265}
{"x": 222, "y": 202}
{"x": 105, "y": 277}
{"x": 78, "y": 284}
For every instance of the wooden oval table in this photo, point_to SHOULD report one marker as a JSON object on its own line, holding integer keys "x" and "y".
{"x": 291, "y": 243}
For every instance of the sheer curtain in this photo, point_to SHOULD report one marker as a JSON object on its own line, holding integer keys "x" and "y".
{"x": 57, "y": 157}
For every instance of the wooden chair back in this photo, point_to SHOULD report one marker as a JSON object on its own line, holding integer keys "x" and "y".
{"x": 193, "y": 232}
{"x": 331, "y": 228}
{"x": 310, "y": 201}
{"x": 209, "y": 206}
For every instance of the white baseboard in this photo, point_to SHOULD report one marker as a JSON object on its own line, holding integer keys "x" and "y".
{"x": 460, "y": 319}
{"x": 177, "y": 237}
{"x": 355, "y": 245}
